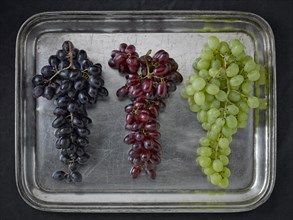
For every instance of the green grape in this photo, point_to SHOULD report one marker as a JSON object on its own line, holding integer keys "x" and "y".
{"x": 214, "y": 43}
{"x": 227, "y": 131}
{"x": 253, "y": 102}
{"x": 205, "y": 106}
{"x": 212, "y": 89}
{"x": 203, "y": 74}
{"x": 208, "y": 171}
{"x": 194, "y": 64}
{"x": 224, "y": 159}
{"x": 216, "y": 82}
{"x": 215, "y": 104}
{"x": 232, "y": 70}
{"x": 199, "y": 98}
{"x": 243, "y": 106}
{"x": 223, "y": 142}
{"x": 215, "y": 178}
{"x": 232, "y": 109}
{"x": 218, "y": 165}
{"x": 241, "y": 124}
{"x": 216, "y": 64}
{"x": 221, "y": 96}
{"x": 236, "y": 80}
{"x": 204, "y": 141}
{"x": 212, "y": 135}
{"x": 240, "y": 56}
{"x": 213, "y": 112}
{"x": 204, "y": 161}
{"x": 190, "y": 101}
{"x": 204, "y": 151}
{"x": 198, "y": 84}
{"x": 202, "y": 116}
{"x": 203, "y": 64}
{"x": 242, "y": 116}
{"x": 213, "y": 72}
{"x": 234, "y": 96}
{"x": 246, "y": 87}
{"x": 224, "y": 47}
{"x": 249, "y": 66}
{"x": 245, "y": 59}
{"x": 194, "y": 108}
{"x": 253, "y": 75}
{"x": 216, "y": 128}
{"x": 209, "y": 98}
{"x": 226, "y": 172}
{"x": 220, "y": 122}
{"x": 234, "y": 42}
{"x": 189, "y": 90}
{"x": 207, "y": 54}
{"x": 183, "y": 93}
{"x": 237, "y": 49}
{"x": 224, "y": 183}
{"x": 226, "y": 151}
{"x": 206, "y": 126}
{"x": 231, "y": 121}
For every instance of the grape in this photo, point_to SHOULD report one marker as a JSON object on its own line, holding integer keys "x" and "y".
{"x": 215, "y": 178}
{"x": 253, "y": 75}
{"x": 199, "y": 98}
{"x": 236, "y": 80}
{"x": 72, "y": 88}
{"x": 149, "y": 81}
{"x": 249, "y": 66}
{"x": 203, "y": 64}
{"x": 253, "y": 102}
{"x": 212, "y": 89}
{"x": 198, "y": 84}
{"x": 214, "y": 43}
{"x": 219, "y": 92}
{"x": 224, "y": 183}
{"x": 232, "y": 70}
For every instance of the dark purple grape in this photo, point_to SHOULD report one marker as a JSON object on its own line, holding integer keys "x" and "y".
{"x": 82, "y": 55}
{"x": 38, "y": 80}
{"x": 54, "y": 61}
{"x": 49, "y": 92}
{"x": 67, "y": 46}
{"x": 95, "y": 82}
{"x": 74, "y": 74}
{"x": 61, "y": 55}
{"x": 58, "y": 175}
{"x": 58, "y": 122}
{"x": 38, "y": 91}
{"x": 47, "y": 72}
{"x": 83, "y": 159}
{"x": 95, "y": 70}
{"x": 76, "y": 177}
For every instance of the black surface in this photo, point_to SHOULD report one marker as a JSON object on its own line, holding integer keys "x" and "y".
{"x": 277, "y": 13}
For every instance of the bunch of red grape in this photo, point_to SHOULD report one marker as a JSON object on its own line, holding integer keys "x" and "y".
{"x": 149, "y": 80}
{"x": 75, "y": 83}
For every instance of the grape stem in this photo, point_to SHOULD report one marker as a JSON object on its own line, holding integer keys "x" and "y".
{"x": 70, "y": 56}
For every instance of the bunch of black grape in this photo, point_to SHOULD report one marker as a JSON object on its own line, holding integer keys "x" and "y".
{"x": 149, "y": 81}
{"x": 75, "y": 83}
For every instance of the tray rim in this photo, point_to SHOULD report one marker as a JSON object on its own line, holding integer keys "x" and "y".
{"x": 32, "y": 201}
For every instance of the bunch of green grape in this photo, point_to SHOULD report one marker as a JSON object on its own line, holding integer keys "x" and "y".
{"x": 219, "y": 92}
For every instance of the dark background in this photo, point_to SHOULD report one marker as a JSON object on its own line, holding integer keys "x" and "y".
{"x": 279, "y": 15}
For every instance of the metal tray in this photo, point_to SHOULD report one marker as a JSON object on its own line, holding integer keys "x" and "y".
{"x": 107, "y": 187}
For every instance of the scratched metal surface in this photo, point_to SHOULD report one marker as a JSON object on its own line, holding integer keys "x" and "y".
{"x": 180, "y": 186}
{"x": 108, "y": 168}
